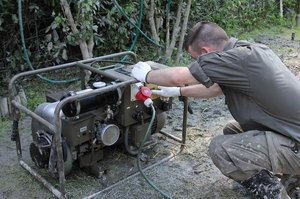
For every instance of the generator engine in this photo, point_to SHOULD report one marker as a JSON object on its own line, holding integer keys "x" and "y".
{"x": 95, "y": 123}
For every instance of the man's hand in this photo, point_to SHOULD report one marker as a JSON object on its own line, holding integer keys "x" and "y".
{"x": 167, "y": 91}
{"x": 140, "y": 71}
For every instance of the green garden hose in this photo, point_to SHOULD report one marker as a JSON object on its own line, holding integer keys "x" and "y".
{"x": 26, "y": 54}
{"x": 137, "y": 27}
{"x": 137, "y": 34}
{"x": 138, "y": 31}
{"x": 140, "y": 152}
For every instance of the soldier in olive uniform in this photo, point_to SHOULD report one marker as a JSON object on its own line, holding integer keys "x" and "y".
{"x": 262, "y": 95}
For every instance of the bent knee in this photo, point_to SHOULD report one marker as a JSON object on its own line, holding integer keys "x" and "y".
{"x": 215, "y": 147}
{"x": 232, "y": 127}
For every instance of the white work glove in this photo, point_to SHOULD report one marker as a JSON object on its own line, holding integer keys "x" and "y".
{"x": 140, "y": 71}
{"x": 167, "y": 91}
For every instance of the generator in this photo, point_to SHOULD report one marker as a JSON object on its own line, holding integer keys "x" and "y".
{"x": 79, "y": 126}
{"x": 90, "y": 124}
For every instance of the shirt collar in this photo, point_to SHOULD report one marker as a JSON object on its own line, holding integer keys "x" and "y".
{"x": 230, "y": 44}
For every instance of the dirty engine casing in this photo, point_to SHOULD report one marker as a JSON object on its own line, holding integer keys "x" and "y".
{"x": 94, "y": 123}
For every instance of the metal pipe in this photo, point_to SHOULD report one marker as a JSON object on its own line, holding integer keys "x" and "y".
{"x": 16, "y": 134}
{"x": 184, "y": 122}
{"x": 56, "y": 192}
{"x": 34, "y": 115}
{"x": 133, "y": 175}
{"x": 170, "y": 136}
{"x": 184, "y": 125}
{"x": 112, "y": 61}
{"x": 95, "y": 70}
{"x": 63, "y": 66}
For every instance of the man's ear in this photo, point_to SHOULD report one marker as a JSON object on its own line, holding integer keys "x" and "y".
{"x": 205, "y": 50}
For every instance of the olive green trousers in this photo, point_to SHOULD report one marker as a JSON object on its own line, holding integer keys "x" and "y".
{"x": 240, "y": 155}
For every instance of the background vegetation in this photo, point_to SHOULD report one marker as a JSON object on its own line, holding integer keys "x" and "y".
{"x": 59, "y": 31}
{"x": 51, "y": 40}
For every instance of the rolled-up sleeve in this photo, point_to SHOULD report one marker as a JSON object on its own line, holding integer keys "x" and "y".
{"x": 223, "y": 68}
{"x": 199, "y": 74}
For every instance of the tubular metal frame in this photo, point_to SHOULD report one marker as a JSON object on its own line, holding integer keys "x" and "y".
{"x": 16, "y": 108}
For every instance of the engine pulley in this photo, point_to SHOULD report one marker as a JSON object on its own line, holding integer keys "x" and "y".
{"x": 40, "y": 149}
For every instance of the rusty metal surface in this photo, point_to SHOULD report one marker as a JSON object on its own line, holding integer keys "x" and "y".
{"x": 56, "y": 192}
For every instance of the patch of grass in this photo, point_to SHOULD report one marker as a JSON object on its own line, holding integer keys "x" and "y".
{"x": 34, "y": 98}
{"x": 5, "y": 126}
{"x": 279, "y": 30}
{"x": 287, "y": 33}
{"x": 274, "y": 30}
{"x": 36, "y": 89}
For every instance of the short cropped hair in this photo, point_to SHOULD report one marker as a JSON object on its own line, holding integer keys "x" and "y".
{"x": 205, "y": 33}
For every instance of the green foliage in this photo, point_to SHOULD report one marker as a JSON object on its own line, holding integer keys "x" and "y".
{"x": 53, "y": 48}
{"x": 5, "y": 125}
{"x": 35, "y": 97}
{"x": 6, "y": 14}
{"x": 49, "y": 48}
{"x": 100, "y": 20}
{"x": 83, "y": 13}
{"x": 203, "y": 10}
{"x": 237, "y": 16}
{"x": 50, "y": 40}
{"x": 114, "y": 31}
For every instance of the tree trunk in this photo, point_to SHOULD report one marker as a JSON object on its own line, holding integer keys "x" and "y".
{"x": 159, "y": 23}
{"x": 91, "y": 43}
{"x": 85, "y": 49}
{"x": 176, "y": 29}
{"x": 168, "y": 27}
{"x": 3, "y": 107}
{"x": 91, "y": 46}
{"x": 298, "y": 13}
{"x": 183, "y": 30}
{"x": 151, "y": 19}
{"x": 280, "y": 8}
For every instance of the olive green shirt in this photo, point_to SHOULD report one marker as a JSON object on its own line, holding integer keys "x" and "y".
{"x": 260, "y": 91}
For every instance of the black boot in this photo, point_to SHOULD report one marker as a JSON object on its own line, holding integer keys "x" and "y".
{"x": 291, "y": 184}
{"x": 265, "y": 185}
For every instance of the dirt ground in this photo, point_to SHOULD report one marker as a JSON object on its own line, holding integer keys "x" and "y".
{"x": 190, "y": 174}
